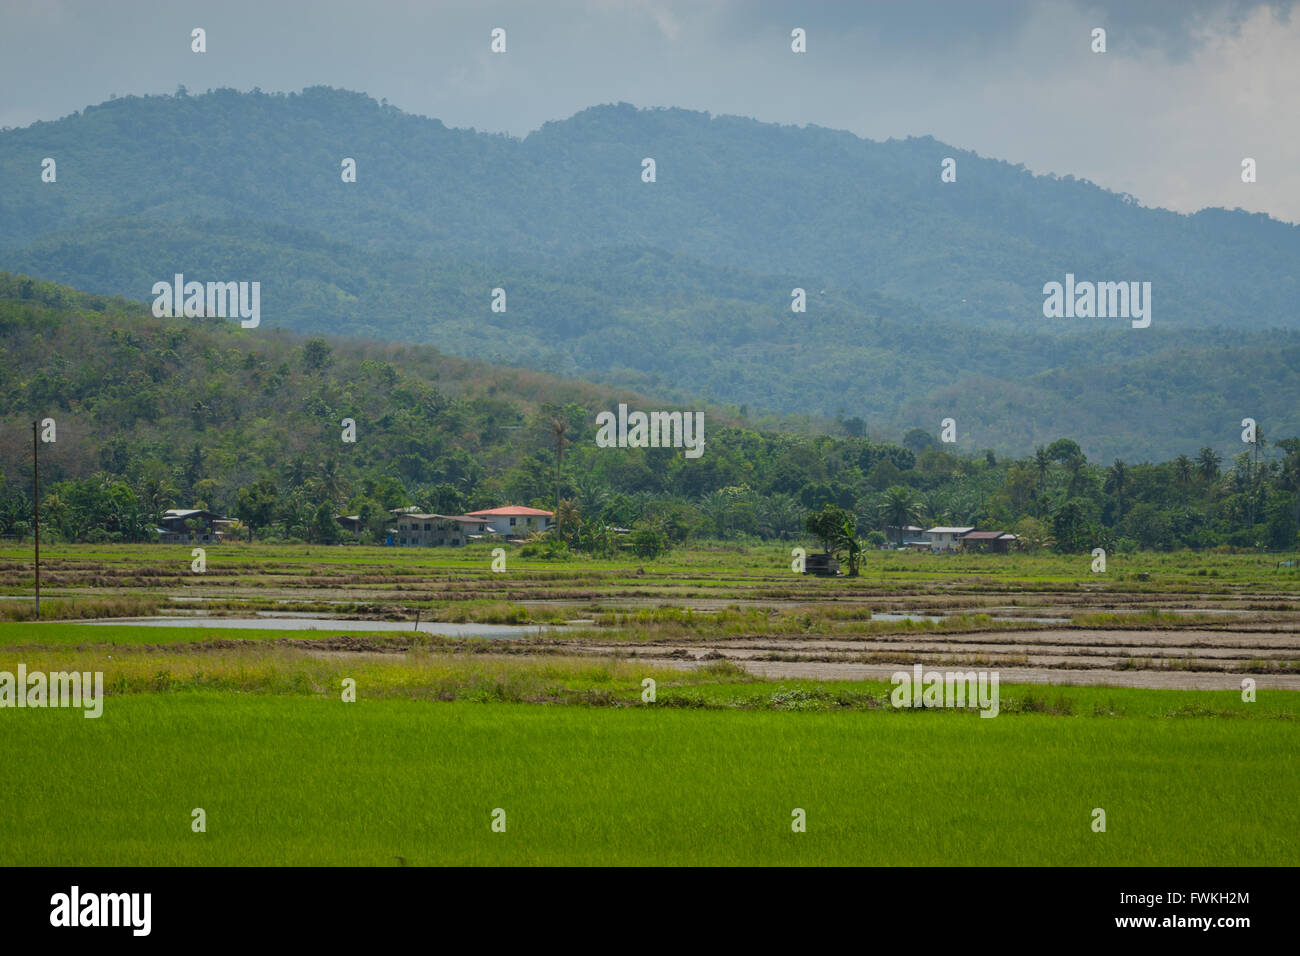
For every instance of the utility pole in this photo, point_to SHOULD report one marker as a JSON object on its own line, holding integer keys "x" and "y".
{"x": 559, "y": 425}
{"x": 36, "y": 509}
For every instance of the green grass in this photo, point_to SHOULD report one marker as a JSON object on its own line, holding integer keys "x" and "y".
{"x": 292, "y": 780}
{"x": 256, "y": 733}
{"x": 587, "y": 773}
{"x": 55, "y": 633}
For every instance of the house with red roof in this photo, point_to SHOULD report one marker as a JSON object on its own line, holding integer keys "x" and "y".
{"x": 515, "y": 521}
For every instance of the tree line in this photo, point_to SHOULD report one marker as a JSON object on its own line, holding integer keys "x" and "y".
{"x": 154, "y": 414}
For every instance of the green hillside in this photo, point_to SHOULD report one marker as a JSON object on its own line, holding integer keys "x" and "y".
{"x": 154, "y": 413}
{"x": 924, "y": 299}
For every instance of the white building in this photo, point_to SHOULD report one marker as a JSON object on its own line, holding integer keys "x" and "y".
{"x": 946, "y": 539}
{"x": 515, "y": 521}
{"x": 417, "y": 529}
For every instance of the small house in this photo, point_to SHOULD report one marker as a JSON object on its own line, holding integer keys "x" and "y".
{"x": 997, "y": 542}
{"x": 192, "y": 526}
{"x": 418, "y": 529}
{"x": 822, "y": 565}
{"x": 908, "y": 536}
{"x": 514, "y": 521}
{"x": 946, "y": 538}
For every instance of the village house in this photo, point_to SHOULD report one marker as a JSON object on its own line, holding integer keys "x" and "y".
{"x": 909, "y": 536}
{"x": 515, "y": 521}
{"x": 352, "y": 523}
{"x": 946, "y": 538}
{"x": 997, "y": 542}
{"x": 417, "y": 529}
{"x": 192, "y": 526}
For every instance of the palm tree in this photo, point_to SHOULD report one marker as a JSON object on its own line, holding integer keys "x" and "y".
{"x": 1183, "y": 469}
{"x": 1289, "y": 477}
{"x": 559, "y": 426}
{"x": 716, "y": 506}
{"x": 1042, "y": 463}
{"x": 332, "y": 484}
{"x": 898, "y": 507}
{"x": 54, "y": 511}
{"x": 1258, "y": 443}
{"x": 1074, "y": 465}
{"x": 590, "y": 493}
{"x": 296, "y": 514}
{"x": 1117, "y": 478}
{"x": 780, "y": 515}
{"x": 932, "y": 509}
{"x": 157, "y": 495}
{"x": 568, "y": 522}
{"x": 13, "y": 509}
{"x": 1207, "y": 463}
{"x": 296, "y": 473}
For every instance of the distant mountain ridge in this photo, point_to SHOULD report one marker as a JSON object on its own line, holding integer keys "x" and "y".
{"x": 923, "y": 297}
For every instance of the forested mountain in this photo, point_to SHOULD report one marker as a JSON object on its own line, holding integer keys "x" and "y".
{"x": 154, "y": 413}
{"x": 924, "y": 298}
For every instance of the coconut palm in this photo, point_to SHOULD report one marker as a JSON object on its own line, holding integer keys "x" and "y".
{"x": 332, "y": 484}
{"x": 568, "y": 522}
{"x": 1042, "y": 463}
{"x": 1207, "y": 463}
{"x": 1074, "y": 466}
{"x": 899, "y": 508}
{"x": 716, "y": 506}
{"x": 1117, "y": 480}
{"x": 780, "y": 516}
{"x": 590, "y": 494}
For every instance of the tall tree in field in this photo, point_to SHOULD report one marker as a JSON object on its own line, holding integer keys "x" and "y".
{"x": 838, "y": 531}
{"x": 1042, "y": 463}
{"x": 332, "y": 484}
{"x": 256, "y": 505}
{"x": 568, "y": 521}
{"x": 559, "y": 426}
{"x": 1207, "y": 463}
{"x": 1117, "y": 481}
{"x": 899, "y": 508}
{"x": 1070, "y": 527}
{"x": 1074, "y": 466}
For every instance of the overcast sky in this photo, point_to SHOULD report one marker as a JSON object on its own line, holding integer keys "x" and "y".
{"x": 1186, "y": 90}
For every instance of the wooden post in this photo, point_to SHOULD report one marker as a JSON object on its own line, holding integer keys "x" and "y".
{"x": 36, "y": 509}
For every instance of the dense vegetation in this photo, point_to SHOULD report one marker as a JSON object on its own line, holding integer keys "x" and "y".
{"x": 924, "y": 299}
{"x": 155, "y": 413}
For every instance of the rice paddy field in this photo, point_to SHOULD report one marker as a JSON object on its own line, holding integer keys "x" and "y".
{"x": 505, "y": 718}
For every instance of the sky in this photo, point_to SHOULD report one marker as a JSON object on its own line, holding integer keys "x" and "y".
{"x": 1186, "y": 90}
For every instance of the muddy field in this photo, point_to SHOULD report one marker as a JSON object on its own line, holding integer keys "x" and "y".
{"x": 1186, "y": 659}
{"x": 1192, "y": 622}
